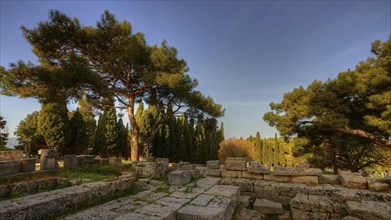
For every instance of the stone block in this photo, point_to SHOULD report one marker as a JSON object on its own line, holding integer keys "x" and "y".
{"x": 247, "y": 175}
{"x": 49, "y": 164}
{"x": 115, "y": 161}
{"x": 85, "y": 159}
{"x": 303, "y": 165}
{"x": 283, "y": 171}
{"x": 308, "y": 171}
{"x": 231, "y": 173}
{"x": 231, "y": 192}
{"x": 352, "y": 180}
{"x": 244, "y": 201}
{"x": 202, "y": 200}
{"x": 102, "y": 161}
{"x": 162, "y": 159}
{"x": 11, "y": 155}
{"x": 150, "y": 159}
{"x": 201, "y": 170}
{"x": 265, "y": 206}
{"x": 245, "y": 185}
{"x": 70, "y": 161}
{"x": 309, "y": 180}
{"x": 27, "y": 165}
{"x": 285, "y": 216}
{"x": 248, "y": 214}
{"x": 369, "y": 210}
{"x": 235, "y": 163}
{"x": 329, "y": 179}
{"x": 213, "y": 164}
{"x": 375, "y": 186}
{"x": 257, "y": 176}
{"x": 179, "y": 177}
{"x": 298, "y": 214}
{"x": 212, "y": 172}
{"x": 257, "y": 167}
{"x": 272, "y": 177}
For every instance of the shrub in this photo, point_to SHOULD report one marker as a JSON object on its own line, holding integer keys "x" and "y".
{"x": 237, "y": 148}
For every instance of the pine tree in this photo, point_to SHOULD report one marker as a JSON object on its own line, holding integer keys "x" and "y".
{"x": 53, "y": 125}
{"x": 79, "y": 138}
{"x": 3, "y": 133}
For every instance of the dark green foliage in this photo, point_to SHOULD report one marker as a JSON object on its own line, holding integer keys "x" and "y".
{"x": 79, "y": 137}
{"x": 111, "y": 132}
{"x": 100, "y": 140}
{"x": 258, "y": 144}
{"x": 122, "y": 141}
{"x": 28, "y": 136}
{"x": 3, "y": 133}
{"x": 53, "y": 125}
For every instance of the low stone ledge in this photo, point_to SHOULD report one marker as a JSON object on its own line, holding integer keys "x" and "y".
{"x": 212, "y": 172}
{"x": 231, "y": 173}
{"x": 85, "y": 159}
{"x": 309, "y": 180}
{"x": 329, "y": 179}
{"x": 264, "y": 206}
{"x": 44, "y": 204}
{"x": 27, "y": 165}
{"x": 213, "y": 164}
{"x": 9, "y": 167}
{"x": 352, "y": 180}
{"x": 179, "y": 177}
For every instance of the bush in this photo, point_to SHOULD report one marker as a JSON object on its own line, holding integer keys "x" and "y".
{"x": 237, "y": 148}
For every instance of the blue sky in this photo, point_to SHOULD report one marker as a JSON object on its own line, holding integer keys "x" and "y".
{"x": 245, "y": 54}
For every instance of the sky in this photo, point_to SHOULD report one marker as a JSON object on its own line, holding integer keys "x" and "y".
{"x": 245, "y": 54}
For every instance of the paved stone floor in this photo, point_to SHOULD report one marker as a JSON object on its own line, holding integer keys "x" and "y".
{"x": 204, "y": 199}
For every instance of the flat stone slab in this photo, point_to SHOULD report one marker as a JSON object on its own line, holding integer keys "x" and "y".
{"x": 369, "y": 210}
{"x": 166, "y": 212}
{"x": 265, "y": 206}
{"x": 137, "y": 216}
{"x": 352, "y": 180}
{"x": 202, "y": 200}
{"x": 208, "y": 182}
{"x": 231, "y": 192}
{"x": 173, "y": 202}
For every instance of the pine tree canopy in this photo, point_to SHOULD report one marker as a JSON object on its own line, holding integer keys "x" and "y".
{"x": 357, "y": 102}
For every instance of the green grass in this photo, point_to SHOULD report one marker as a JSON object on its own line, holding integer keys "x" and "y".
{"x": 95, "y": 202}
{"x": 92, "y": 172}
{"x": 163, "y": 190}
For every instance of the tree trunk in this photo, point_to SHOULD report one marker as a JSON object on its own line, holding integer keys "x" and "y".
{"x": 134, "y": 135}
{"x": 335, "y": 163}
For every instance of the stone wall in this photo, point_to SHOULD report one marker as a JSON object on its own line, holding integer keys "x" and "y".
{"x": 11, "y": 155}
{"x": 28, "y": 186}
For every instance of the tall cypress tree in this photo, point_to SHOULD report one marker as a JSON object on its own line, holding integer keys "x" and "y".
{"x": 265, "y": 152}
{"x": 53, "y": 125}
{"x": 122, "y": 141}
{"x": 258, "y": 145}
{"x": 100, "y": 138}
{"x": 276, "y": 150}
{"x": 79, "y": 137}
{"x": 111, "y": 132}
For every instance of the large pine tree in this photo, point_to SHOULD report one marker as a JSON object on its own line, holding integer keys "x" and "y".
{"x": 3, "y": 133}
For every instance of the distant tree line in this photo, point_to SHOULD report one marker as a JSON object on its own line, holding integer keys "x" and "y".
{"x": 181, "y": 138}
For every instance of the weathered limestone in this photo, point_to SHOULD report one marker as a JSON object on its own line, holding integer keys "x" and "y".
{"x": 115, "y": 160}
{"x": 329, "y": 179}
{"x": 352, "y": 180}
{"x": 85, "y": 159}
{"x": 162, "y": 159}
{"x": 48, "y": 159}
{"x": 309, "y": 180}
{"x": 102, "y": 161}
{"x": 265, "y": 206}
{"x": 11, "y": 155}
{"x": 38, "y": 205}
{"x": 257, "y": 167}
{"x": 70, "y": 161}
{"x": 213, "y": 164}
{"x": 231, "y": 173}
{"x": 375, "y": 186}
{"x": 231, "y": 192}
{"x": 212, "y": 172}
{"x": 369, "y": 210}
{"x": 248, "y": 214}
{"x": 179, "y": 177}
{"x": 235, "y": 163}
{"x": 27, "y": 165}
{"x": 245, "y": 185}
{"x": 277, "y": 178}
